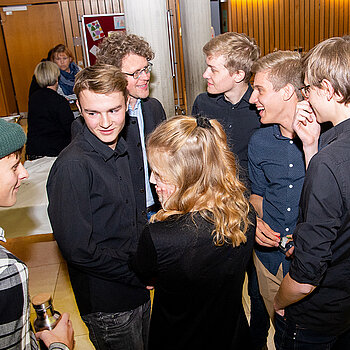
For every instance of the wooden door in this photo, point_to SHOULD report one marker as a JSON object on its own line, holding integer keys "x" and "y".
{"x": 7, "y": 94}
{"x": 29, "y": 35}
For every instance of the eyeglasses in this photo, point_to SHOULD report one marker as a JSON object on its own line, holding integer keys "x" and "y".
{"x": 305, "y": 91}
{"x": 138, "y": 73}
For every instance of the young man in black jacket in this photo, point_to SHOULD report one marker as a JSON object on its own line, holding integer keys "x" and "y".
{"x": 313, "y": 302}
{"x": 93, "y": 212}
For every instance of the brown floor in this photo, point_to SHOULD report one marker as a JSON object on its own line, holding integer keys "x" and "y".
{"x": 48, "y": 273}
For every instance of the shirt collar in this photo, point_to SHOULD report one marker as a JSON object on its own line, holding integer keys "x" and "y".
{"x": 277, "y": 132}
{"x": 333, "y": 133}
{"x": 2, "y": 235}
{"x": 104, "y": 150}
{"x": 131, "y": 111}
{"x": 244, "y": 102}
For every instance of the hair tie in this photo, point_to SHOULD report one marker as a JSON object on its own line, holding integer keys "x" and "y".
{"x": 203, "y": 122}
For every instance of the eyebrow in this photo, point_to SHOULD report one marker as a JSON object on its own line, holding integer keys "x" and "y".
{"x": 110, "y": 109}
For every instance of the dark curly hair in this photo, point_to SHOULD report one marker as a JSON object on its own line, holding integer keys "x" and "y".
{"x": 115, "y": 47}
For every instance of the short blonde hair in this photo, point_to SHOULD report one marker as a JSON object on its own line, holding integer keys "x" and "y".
{"x": 198, "y": 162}
{"x": 330, "y": 59}
{"x": 240, "y": 51}
{"x": 46, "y": 73}
{"x": 284, "y": 67}
{"x": 101, "y": 79}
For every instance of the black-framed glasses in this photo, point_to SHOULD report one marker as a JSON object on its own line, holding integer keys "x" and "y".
{"x": 305, "y": 91}
{"x": 138, "y": 73}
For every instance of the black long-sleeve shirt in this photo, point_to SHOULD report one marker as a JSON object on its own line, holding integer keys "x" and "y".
{"x": 322, "y": 237}
{"x": 92, "y": 211}
{"x": 239, "y": 121}
{"x": 49, "y": 123}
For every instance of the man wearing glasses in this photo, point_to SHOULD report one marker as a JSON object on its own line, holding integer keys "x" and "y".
{"x": 313, "y": 303}
{"x": 276, "y": 165}
{"x": 132, "y": 55}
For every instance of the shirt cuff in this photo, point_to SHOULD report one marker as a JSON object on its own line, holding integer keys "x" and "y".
{"x": 58, "y": 346}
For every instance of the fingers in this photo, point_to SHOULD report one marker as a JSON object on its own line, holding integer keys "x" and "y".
{"x": 290, "y": 252}
{"x": 265, "y": 236}
{"x": 304, "y": 113}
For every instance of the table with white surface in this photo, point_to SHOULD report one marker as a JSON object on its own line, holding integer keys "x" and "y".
{"x": 29, "y": 215}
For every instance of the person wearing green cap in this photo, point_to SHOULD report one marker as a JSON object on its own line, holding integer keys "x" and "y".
{"x": 15, "y": 329}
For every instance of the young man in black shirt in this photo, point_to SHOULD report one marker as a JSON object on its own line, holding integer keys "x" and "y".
{"x": 313, "y": 302}
{"x": 92, "y": 209}
{"x": 229, "y": 59}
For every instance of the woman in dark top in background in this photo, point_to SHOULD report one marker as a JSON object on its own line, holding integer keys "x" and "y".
{"x": 49, "y": 115}
{"x": 196, "y": 249}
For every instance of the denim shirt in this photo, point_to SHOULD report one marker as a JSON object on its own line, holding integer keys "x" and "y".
{"x": 276, "y": 171}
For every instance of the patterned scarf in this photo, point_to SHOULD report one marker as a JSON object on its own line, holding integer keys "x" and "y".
{"x": 66, "y": 80}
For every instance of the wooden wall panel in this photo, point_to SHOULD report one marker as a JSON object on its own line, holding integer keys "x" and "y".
{"x": 71, "y": 14}
{"x": 290, "y": 24}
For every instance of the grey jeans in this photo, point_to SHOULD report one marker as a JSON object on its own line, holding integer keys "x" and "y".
{"x": 126, "y": 330}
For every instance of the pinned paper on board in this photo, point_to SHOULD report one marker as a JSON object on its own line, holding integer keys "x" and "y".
{"x": 94, "y": 50}
{"x": 95, "y": 30}
{"x": 119, "y": 22}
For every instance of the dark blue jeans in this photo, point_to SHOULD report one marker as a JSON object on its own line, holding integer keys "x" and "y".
{"x": 259, "y": 318}
{"x": 290, "y": 336}
{"x": 122, "y": 330}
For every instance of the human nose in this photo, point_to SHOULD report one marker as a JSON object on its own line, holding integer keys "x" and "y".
{"x": 152, "y": 179}
{"x": 22, "y": 172}
{"x": 144, "y": 74}
{"x": 206, "y": 74}
{"x": 105, "y": 120}
{"x": 253, "y": 97}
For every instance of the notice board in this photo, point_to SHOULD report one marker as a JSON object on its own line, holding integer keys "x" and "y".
{"x": 96, "y": 27}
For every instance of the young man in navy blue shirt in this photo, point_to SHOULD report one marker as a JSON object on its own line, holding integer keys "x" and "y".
{"x": 313, "y": 302}
{"x": 276, "y": 165}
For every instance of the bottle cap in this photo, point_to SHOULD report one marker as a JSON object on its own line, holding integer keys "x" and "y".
{"x": 42, "y": 301}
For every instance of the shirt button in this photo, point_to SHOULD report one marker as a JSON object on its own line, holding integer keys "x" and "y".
{"x": 126, "y": 201}
{"x": 288, "y": 209}
{"x": 291, "y": 165}
{"x": 133, "y": 122}
{"x": 291, "y": 142}
{"x": 287, "y": 229}
{"x": 230, "y": 126}
{"x": 141, "y": 168}
{"x": 290, "y": 186}
{"x": 142, "y": 190}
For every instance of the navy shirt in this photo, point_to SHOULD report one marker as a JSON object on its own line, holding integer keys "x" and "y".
{"x": 322, "y": 237}
{"x": 276, "y": 171}
{"x": 239, "y": 122}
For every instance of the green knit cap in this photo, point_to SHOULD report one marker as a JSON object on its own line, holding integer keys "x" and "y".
{"x": 12, "y": 138}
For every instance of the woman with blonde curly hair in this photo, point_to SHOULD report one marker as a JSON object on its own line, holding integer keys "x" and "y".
{"x": 197, "y": 247}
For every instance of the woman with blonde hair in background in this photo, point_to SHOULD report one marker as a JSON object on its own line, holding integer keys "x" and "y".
{"x": 197, "y": 247}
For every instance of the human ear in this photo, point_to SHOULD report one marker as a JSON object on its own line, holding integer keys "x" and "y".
{"x": 289, "y": 91}
{"x": 239, "y": 76}
{"x": 327, "y": 88}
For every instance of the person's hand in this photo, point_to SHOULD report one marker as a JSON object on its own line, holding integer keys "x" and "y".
{"x": 279, "y": 311}
{"x": 149, "y": 287}
{"x": 62, "y": 333}
{"x": 305, "y": 124}
{"x": 290, "y": 252}
{"x": 265, "y": 236}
